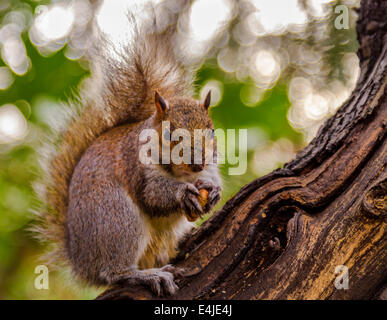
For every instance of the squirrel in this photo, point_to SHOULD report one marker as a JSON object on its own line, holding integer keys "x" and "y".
{"x": 112, "y": 218}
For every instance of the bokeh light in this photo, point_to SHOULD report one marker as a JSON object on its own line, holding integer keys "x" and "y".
{"x": 216, "y": 88}
{"x": 277, "y": 16}
{"x": 6, "y": 78}
{"x": 272, "y": 155}
{"x": 13, "y": 125}
{"x": 54, "y": 22}
{"x": 207, "y": 17}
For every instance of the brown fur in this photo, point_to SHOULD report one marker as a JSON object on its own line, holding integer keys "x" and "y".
{"x": 120, "y": 90}
{"x": 108, "y": 214}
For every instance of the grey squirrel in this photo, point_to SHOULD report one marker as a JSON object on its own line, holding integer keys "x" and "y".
{"x": 113, "y": 218}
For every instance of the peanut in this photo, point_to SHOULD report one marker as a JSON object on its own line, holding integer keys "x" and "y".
{"x": 202, "y": 197}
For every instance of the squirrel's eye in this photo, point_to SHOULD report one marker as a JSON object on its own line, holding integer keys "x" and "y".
{"x": 167, "y": 135}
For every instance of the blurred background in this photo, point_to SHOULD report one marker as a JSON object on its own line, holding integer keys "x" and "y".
{"x": 276, "y": 67}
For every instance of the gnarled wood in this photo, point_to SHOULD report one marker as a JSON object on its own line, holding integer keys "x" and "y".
{"x": 283, "y": 235}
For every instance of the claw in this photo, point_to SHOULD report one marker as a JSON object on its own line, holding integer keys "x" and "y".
{"x": 196, "y": 205}
{"x": 177, "y": 272}
{"x": 193, "y": 189}
{"x": 200, "y": 184}
{"x": 213, "y": 195}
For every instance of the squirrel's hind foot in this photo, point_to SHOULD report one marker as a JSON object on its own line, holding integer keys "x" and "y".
{"x": 160, "y": 280}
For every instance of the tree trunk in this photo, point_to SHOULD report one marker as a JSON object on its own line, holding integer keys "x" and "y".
{"x": 283, "y": 235}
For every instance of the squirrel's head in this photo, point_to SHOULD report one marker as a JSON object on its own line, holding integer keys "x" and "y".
{"x": 185, "y": 127}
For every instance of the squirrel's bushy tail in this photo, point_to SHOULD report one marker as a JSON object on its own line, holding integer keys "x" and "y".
{"x": 120, "y": 90}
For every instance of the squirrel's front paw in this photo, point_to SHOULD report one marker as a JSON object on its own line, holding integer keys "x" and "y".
{"x": 213, "y": 193}
{"x": 187, "y": 196}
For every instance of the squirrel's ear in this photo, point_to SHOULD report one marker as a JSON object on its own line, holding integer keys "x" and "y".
{"x": 161, "y": 104}
{"x": 207, "y": 100}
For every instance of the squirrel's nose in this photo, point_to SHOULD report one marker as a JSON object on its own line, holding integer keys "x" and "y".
{"x": 197, "y": 167}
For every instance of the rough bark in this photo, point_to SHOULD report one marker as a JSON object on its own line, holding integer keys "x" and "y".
{"x": 282, "y": 235}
